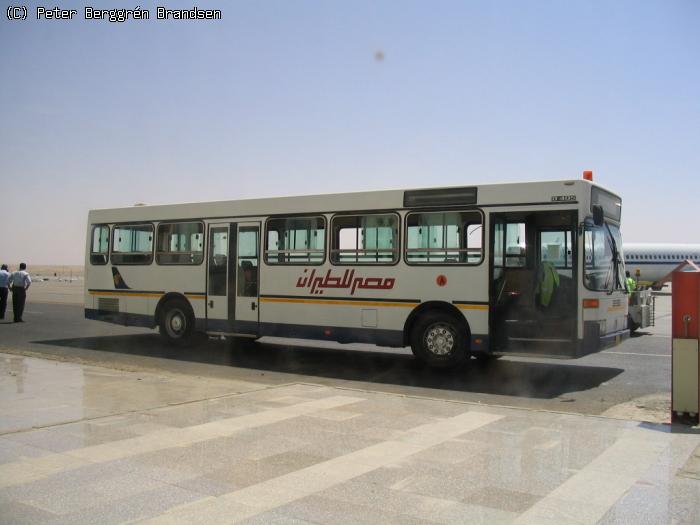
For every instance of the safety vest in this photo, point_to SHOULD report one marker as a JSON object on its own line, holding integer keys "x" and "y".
{"x": 631, "y": 284}
{"x": 548, "y": 281}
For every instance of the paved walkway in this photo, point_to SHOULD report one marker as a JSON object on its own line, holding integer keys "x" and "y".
{"x": 82, "y": 444}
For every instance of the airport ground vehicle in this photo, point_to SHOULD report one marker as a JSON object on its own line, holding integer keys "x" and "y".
{"x": 527, "y": 268}
{"x": 642, "y": 307}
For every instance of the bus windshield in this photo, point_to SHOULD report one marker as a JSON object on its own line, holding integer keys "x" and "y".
{"x": 603, "y": 268}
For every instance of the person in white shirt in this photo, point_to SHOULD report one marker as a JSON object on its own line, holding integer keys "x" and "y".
{"x": 4, "y": 283}
{"x": 19, "y": 281}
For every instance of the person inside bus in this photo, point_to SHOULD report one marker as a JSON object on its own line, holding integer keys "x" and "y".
{"x": 547, "y": 283}
{"x": 248, "y": 286}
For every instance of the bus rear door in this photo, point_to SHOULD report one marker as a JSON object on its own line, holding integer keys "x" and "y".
{"x": 247, "y": 279}
{"x": 218, "y": 276}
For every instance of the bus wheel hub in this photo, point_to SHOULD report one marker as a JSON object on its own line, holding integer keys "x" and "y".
{"x": 439, "y": 340}
{"x": 176, "y": 322}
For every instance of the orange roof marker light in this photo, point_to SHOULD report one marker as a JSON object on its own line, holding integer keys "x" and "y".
{"x": 588, "y": 175}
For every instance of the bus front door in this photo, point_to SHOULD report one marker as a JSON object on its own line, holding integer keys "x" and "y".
{"x": 533, "y": 283}
{"x": 247, "y": 279}
{"x": 218, "y": 273}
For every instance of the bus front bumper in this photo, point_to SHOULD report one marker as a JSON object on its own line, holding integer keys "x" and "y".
{"x": 593, "y": 341}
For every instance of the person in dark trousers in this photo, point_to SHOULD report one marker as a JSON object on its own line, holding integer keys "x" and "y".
{"x": 4, "y": 284}
{"x": 19, "y": 281}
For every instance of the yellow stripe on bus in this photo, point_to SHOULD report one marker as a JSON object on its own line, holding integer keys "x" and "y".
{"x": 472, "y": 306}
{"x": 127, "y": 294}
{"x": 136, "y": 294}
{"x": 335, "y": 301}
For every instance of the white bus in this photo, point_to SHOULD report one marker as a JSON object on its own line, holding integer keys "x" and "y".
{"x": 526, "y": 268}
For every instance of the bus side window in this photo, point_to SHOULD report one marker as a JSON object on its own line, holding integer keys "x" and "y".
{"x": 450, "y": 237}
{"x": 365, "y": 239}
{"x": 100, "y": 244}
{"x": 295, "y": 240}
{"x": 180, "y": 243}
{"x": 473, "y": 243}
{"x": 132, "y": 244}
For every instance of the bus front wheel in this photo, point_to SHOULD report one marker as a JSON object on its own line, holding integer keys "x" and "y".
{"x": 176, "y": 322}
{"x": 440, "y": 340}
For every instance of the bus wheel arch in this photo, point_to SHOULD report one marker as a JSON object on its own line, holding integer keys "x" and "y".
{"x": 174, "y": 317}
{"x": 438, "y": 334}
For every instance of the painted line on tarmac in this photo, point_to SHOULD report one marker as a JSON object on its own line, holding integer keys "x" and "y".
{"x": 276, "y": 492}
{"x": 34, "y": 469}
{"x": 589, "y": 494}
{"x": 637, "y": 353}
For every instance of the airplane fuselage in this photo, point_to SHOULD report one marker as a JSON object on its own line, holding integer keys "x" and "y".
{"x": 649, "y": 262}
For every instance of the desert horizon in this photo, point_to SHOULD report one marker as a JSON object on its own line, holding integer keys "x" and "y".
{"x": 48, "y": 270}
{"x": 54, "y": 283}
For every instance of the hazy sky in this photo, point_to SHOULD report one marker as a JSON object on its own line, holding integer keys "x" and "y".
{"x": 287, "y": 97}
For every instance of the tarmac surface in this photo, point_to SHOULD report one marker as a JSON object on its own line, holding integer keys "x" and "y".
{"x": 106, "y": 424}
{"x": 631, "y": 380}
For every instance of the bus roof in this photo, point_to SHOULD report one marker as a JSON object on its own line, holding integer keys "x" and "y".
{"x": 500, "y": 194}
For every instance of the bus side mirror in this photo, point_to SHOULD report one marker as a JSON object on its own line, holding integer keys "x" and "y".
{"x": 598, "y": 217}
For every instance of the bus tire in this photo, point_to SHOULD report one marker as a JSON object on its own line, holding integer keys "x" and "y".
{"x": 176, "y": 322}
{"x": 440, "y": 340}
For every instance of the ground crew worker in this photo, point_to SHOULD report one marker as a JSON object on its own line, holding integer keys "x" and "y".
{"x": 547, "y": 283}
{"x": 630, "y": 283}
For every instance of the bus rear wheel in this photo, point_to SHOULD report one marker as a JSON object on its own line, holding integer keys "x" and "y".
{"x": 176, "y": 322}
{"x": 440, "y": 340}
